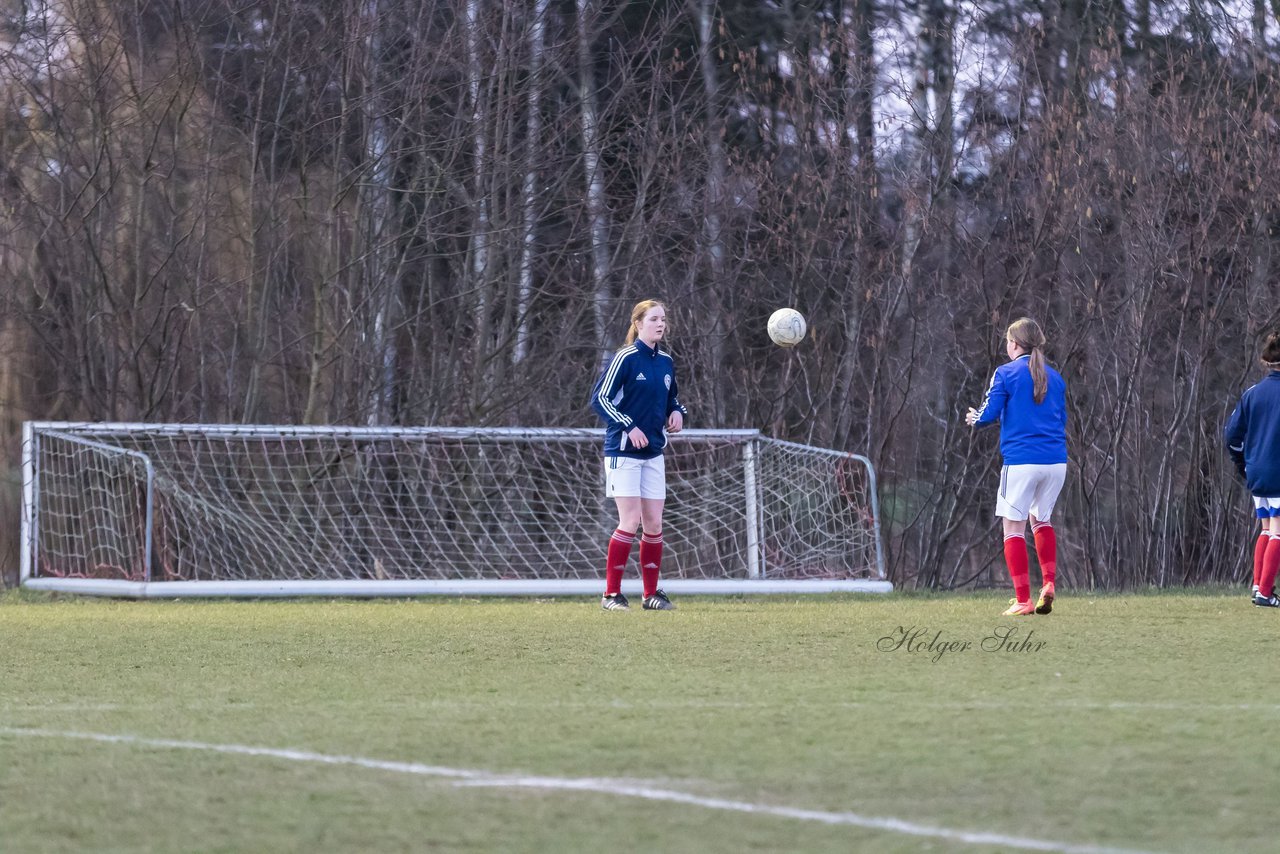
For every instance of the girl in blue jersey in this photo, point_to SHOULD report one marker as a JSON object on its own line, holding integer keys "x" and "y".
{"x": 636, "y": 399}
{"x": 1252, "y": 435}
{"x": 1029, "y": 399}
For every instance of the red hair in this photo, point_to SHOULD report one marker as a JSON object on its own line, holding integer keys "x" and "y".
{"x": 637, "y": 314}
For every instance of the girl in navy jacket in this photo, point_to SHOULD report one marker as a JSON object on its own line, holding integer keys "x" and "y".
{"x": 636, "y": 398}
{"x": 1252, "y": 435}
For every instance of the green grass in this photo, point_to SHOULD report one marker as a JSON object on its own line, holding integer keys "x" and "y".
{"x": 1141, "y": 722}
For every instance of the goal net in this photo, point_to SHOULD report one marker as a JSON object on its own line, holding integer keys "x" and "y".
{"x": 163, "y": 510}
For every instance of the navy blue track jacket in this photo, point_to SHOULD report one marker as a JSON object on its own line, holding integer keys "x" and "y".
{"x": 1253, "y": 436}
{"x": 1030, "y": 433}
{"x": 637, "y": 389}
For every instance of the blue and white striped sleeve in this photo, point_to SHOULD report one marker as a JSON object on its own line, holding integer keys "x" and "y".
{"x": 993, "y": 401}
{"x": 673, "y": 401}
{"x": 607, "y": 389}
{"x": 1234, "y": 434}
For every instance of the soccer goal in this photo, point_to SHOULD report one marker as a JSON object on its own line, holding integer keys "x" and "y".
{"x": 163, "y": 510}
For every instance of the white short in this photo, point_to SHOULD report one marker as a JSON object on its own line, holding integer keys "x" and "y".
{"x": 1266, "y": 507}
{"x": 627, "y": 477}
{"x": 1029, "y": 490}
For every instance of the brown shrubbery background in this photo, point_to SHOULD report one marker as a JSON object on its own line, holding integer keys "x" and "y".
{"x": 439, "y": 213}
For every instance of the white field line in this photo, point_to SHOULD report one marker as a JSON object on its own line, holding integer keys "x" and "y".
{"x": 471, "y": 777}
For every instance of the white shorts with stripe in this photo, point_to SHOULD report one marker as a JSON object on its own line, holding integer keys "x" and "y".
{"x": 628, "y": 477}
{"x": 1266, "y": 507}
{"x": 1029, "y": 490}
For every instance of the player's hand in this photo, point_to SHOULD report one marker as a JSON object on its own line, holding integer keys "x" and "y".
{"x": 972, "y": 417}
{"x": 675, "y": 422}
{"x": 638, "y": 438}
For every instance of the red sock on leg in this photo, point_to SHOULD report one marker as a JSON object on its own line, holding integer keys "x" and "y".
{"x": 650, "y": 561}
{"x": 1015, "y": 555}
{"x": 1270, "y": 565}
{"x": 1259, "y": 550}
{"x": 1046, "y": 551}
{"x": 616, "y": 561}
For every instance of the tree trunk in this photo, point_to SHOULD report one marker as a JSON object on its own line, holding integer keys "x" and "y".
{"x": 597, "y": 206}
{"x": 529, "y": 193}
{"x": 713, "y": 246}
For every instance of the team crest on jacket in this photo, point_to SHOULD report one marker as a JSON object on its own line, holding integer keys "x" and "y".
{"x": 667, "y": 379}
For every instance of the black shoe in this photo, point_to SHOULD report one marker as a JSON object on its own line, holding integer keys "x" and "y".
{"x": 658, "y": 602}
{"x": 1266, "y": 601}
{"x": 616, "y": 602}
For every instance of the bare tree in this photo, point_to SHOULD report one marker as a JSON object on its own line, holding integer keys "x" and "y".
{"x": 597, "y": 207}
{"x": 530, "y": 201}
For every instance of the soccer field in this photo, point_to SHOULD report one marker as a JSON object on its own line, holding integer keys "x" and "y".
{"x": 847, "y": 723}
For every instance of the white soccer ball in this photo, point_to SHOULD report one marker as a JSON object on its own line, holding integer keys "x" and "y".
{"x": 787, "y": 327}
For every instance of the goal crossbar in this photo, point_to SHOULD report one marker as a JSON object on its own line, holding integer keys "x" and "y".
{"x": 164, "y": 510}
{"x": 356, "y": 589}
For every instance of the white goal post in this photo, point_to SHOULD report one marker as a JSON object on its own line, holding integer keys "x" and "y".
{"x": 167, "y": 510}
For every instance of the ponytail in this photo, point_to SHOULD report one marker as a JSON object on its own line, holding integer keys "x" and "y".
{"x": 1030, "y": 337}
{"x": 1039, "y": 377}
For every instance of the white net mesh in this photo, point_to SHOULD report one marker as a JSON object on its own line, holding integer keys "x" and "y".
{"x": 211, "y": 502}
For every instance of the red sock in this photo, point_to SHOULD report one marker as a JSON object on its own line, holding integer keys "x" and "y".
{"x": 1259, "y": 549}
{"x": 650, "y": 561}
{"x": 616, "y": 561}
{"x": 1270, "y": 564}
{"x": 1046, "y": 551}
{"x": 1015, "y": 555}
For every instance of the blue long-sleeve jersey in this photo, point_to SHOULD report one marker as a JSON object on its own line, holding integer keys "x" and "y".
{"x": 1030, "y": 433}
{"x": 637, "y": 389}
{"x": 1252, "y": 435}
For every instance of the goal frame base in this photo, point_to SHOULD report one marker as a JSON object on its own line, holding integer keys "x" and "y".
{"x": 373, "y": 588}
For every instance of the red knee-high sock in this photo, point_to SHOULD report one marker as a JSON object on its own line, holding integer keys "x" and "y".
{"x": 1259, "y": 550}
{"x": 616, "y": 561}
{"x": 1046, "y": 551}
{"x": 1015, "y": 555}
{"x": 650, "y": 561}
{"x": 1270, "y": 565}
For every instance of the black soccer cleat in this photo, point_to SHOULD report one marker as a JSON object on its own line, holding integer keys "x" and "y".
{"x": 616, "y": 602}
{"x": 658, "y": 602}
{"x": 1266, "y": 601}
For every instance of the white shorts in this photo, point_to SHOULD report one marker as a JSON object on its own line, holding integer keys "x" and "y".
{"x": 1266, "y": 507}
{"x": 628, "y": 477}
{"x": 1029, "y": 490}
